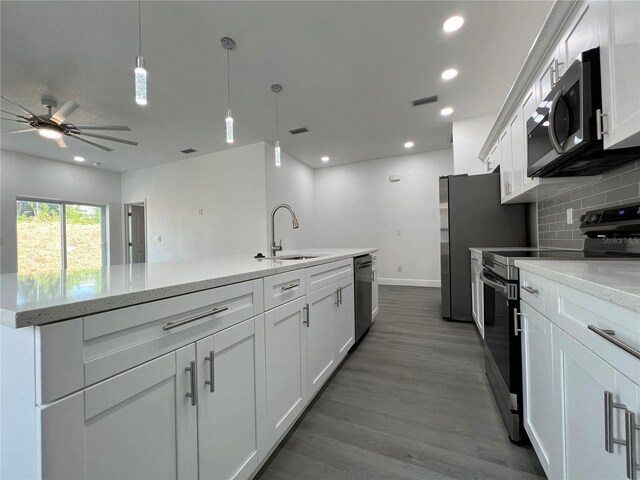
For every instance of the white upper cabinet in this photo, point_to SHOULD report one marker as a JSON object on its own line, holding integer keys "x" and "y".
{"x": 619, "y": 32}
{"x": 581, "y": 35}
{"x": 549, "y": 74}
{"x": 529, "y": 105}
{"x": 505, "y": 164}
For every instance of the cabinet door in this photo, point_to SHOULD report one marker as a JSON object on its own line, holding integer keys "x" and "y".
{"x": 505, "y": 164}
{"x": 541, "y": 403}
{"x": 139, "y": 424}
{"x": 518, "y": 157}
{"x": 619, "y": 24}
{"x": 227, "y": 437}
{"x": 529, "y": 106}
{"x": 319, "y": 333}
{"x": 374, "y": 293}
{"x": 582, "y": 379}
{"x": 581, "y": 35}
{"x": 548, "y": 77}
{"x": 286, "y": 368}
{"x": 344, "y": 321}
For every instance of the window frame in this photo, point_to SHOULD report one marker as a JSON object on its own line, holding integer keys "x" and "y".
{"x": 63, "y": 225}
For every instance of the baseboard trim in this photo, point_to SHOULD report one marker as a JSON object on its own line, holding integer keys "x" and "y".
{"x": 409, "y": 282}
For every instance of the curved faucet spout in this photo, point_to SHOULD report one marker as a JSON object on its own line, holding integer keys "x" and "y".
{"x": 294, "y": 221}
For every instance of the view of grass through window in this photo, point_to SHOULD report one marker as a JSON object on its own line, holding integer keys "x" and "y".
{"x": 41, "y": 237}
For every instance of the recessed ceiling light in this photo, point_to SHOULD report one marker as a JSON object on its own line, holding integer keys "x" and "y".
{"x": 446, "y": 111}
{"x": 452, "y": 24}
{"x": 96, "y": 164}
{"x": 449, "y": 74}
{"x": 408, "y": 145}
{"x": 78, "y": 158}
{"x": 325, "y": 159}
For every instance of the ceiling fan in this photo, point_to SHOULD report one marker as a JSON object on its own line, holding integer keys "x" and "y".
{"x": 54, "y": 125}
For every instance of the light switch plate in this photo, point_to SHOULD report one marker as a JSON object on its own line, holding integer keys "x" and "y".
{"x": 569, "y": 216}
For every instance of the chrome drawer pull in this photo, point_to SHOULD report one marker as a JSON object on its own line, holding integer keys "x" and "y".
{"x": 306, "y": 309}
{"x": 630, "y": 430}
{"x": 516, "y": 328}
{"x": 212, "y": 379}
{"x": 531, "y": 290}
{"x": 609, "y": 335}
{"x": 172, "y": 325}
{"x": 337, "y": 297}
{"x": 290, "y": 286}
{"x": 193, "y": 394}
{"x": 340, "y": 292}
{"x": 609, "y": 405}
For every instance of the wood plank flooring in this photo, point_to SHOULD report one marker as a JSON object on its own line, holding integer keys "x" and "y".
{"x": 411, "y": 402}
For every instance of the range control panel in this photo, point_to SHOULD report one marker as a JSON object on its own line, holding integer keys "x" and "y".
{"x": 624, "y": 213}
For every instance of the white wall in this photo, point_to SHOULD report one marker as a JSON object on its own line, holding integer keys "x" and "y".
{"x": 468, "y": 137}
{"x": 230, "y": 188}
{"x": 291, "y": 183}
{"x": 29, "y": 176}
{"x": 357, "y": 206}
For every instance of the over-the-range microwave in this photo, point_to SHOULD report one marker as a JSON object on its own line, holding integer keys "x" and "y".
{"x": 564, "y": 134}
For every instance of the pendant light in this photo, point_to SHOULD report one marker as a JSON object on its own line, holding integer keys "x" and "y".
{"x": 228, "y": 44}
{"x": 140, "y": 72}
{"x": 275, "y": 88}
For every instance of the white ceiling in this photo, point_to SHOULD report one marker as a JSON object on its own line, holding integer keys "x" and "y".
{"x": 348, "y": 69}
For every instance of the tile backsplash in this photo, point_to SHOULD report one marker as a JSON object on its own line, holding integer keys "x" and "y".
{"x": 616, "y": 187}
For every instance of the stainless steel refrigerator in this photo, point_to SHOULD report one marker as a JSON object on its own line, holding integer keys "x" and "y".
{"x": 471, "y": 215}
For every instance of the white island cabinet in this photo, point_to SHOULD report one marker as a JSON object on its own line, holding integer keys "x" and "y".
{"x": 579, "y": 385}
{"x": 201, "y": 385}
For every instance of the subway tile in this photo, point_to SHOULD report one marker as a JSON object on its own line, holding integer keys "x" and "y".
{"x": 577, "y": 244}
{"x": 630, "y": 177}
{"x": 606, "y": 185}
{"x": 549, "y": 235}
{"x": 578, "y": 235}
{"x": 593, "y": 200}
{"x": 556, "y": 243}
{"x": 582, "y": 192}
{"x": 564, "y": 198}
{"x": 549, "y": 203}
{"x": 555, "y": 209}
{"x": 556, "y": 226}
{"x": 627, "y": 192}
{"x": 543, "y": 228}
{"x": 621, "y": 169}
{"x": 548, "y": 219}
{"x": 565, "y": 235}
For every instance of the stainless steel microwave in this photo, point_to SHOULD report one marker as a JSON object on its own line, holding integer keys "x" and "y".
{"x": 564, "y": 134}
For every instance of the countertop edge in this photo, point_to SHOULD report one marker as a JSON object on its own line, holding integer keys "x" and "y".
{"x": 599, "y": 290}
{"x": 59, "y": 313}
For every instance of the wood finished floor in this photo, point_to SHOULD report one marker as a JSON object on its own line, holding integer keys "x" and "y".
{"x": 412, "y": 402}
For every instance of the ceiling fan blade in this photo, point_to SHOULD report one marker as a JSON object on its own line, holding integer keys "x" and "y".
{"x": 64, "y": 111}
{"x": 120, "y": 128}
{"x": 14, "y": 114}
{"x": 21, "y": 131}
{"x": 61, "y": 143}
{"x": 78, "y": 137}
{"x": 18, "y": 105}
{"x": 113, "y": 139}
{"x": 12, "y": 120}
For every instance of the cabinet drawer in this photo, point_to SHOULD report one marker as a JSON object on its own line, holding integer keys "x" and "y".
{"x": 540, "y": 294}
{"x": 282, "y": 288}
{"x": 322, "y": 275}
{"x": 77, "y": 353}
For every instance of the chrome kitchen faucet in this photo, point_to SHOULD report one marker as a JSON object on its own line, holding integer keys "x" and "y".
{"x": 273, "y": 247}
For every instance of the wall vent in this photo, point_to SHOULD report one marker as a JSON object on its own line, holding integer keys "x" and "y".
{"x": 424, "y": 101}
{"x": 187, "y": 151}
{"x": 298, "y": 131}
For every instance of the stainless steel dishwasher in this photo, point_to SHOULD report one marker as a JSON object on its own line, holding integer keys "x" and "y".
{"x": 363, "y": 279}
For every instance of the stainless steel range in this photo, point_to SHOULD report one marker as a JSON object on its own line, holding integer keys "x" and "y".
{"x": 612, "y": 233}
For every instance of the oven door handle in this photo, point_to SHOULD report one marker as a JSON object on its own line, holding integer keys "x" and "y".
{"x": 493, "y": 284}
{"x": 552, "y": 114}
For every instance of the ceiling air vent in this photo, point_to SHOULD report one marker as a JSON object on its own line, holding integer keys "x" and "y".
{"x": 424, "y": 101}
{"x": 187, "y": 151}
{"x": 298, "y": 131}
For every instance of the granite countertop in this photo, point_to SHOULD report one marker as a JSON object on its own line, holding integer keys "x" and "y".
{"x": 616, "y": 281}
{"x": 62, "y": 295}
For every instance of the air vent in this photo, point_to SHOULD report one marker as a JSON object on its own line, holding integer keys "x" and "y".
{"x": 187, "y": 151}
{"x": 424, "y": 101}
{"x": 298, "y": 131}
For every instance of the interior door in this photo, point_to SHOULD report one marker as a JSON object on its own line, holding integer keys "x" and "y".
{"x": 227, "y": 401}
{"x": 90, "y": 434}
{"x": 137, "y": 235}
{"x": 319, "y": 333}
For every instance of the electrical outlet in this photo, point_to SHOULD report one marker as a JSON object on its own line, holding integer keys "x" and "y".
{"x": 157, "y": 238}
{"x": 569, "y": 216}
{"x": 399, "y": 268}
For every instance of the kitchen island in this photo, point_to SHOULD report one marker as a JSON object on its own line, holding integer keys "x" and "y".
{"x": 191, "y": 369}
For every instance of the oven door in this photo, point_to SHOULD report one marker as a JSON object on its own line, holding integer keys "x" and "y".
{"x": 557, "y": 127}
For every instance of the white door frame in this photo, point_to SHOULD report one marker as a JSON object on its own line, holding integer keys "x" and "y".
{"x": 127, "y": 251}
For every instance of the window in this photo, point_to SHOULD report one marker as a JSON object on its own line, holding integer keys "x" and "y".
{"x": 55, "y": 235}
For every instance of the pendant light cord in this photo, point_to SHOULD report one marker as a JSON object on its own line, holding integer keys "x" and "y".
{"x": 277, "y": 133}
{"x": 228, "y": 84}
{"x": 140, "y": 27}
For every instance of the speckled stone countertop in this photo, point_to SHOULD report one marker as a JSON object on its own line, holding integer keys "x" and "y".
{"x": 510, "y": 249}
{"x": 616, "y": 281}
{"x": 51, "y": 297}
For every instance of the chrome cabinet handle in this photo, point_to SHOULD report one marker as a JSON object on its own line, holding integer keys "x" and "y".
{"x": 340, "y": 294}
{"x": 600, "y": 131}
{"x": 609, "y": 335}
{"x": 337, "y": 304}
{"x": 290, "y": 286}
{"x": 630, "y": 428}
{"x": 552, "y": 132}
{"x": 172, "y": 325}
{"x": 516, "y": 314}
{"x": 193, "y": 394}
{"x": 609, "y": 405}
{"x": 212, "y": 379}
{"x": 531, "y": 290}
{"x": 306, "y": 309}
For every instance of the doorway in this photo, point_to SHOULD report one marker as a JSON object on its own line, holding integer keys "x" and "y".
{"x": 135, "y": 232}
